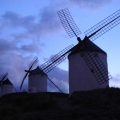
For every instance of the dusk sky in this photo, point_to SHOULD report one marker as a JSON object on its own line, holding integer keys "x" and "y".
{"x": 31, "y": 28}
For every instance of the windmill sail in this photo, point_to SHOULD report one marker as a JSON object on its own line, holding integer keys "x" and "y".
{"x": 4, "y": 77}
{"x": 103, "y": 26}
{"x": 57, "y": 59}
{"x": 33, "y": 62}
{"x": 55, "y": 85}
{"x": 68, "y": 23}
{"x": 96, "y": 66}
{"x": 50, "y": 64}
{"x": 99, "y": 69}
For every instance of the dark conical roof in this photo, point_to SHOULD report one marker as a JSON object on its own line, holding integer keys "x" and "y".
{"x": 37, "y": 71}
{"x": 7, "y": 81}
{"x": 91, "y": 47}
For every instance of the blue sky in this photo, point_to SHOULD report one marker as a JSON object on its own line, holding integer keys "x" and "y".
{"x": 31, "y": 28}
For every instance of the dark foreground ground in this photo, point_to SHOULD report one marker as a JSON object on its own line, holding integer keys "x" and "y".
{"x": 91, "y": 105}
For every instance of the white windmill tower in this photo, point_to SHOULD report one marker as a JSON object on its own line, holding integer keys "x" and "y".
{"x": 83, "y": 77}
{"x": 37, "y": 78}
{"x": 87, "y": 62}
{"x": 6, "y": 86}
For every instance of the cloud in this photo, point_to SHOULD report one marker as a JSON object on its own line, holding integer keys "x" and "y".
{"x": 20, "y": 40}
{"x": 46, "y": 22}
{"x": 31, "y": 48}
{"x": 115, "y": 81}
{"x": 60, "y": 78}
{"x": 13, "y": 19}
{"x": 15, "y": 65}
{"x": 6, "y": 46}
{"x": 20, "y": 37}
{"x": 49, "y": 21}
{"x": 91, "y": 4}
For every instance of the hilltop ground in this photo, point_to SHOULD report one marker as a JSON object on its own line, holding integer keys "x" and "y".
{"x": 102, "y": 104}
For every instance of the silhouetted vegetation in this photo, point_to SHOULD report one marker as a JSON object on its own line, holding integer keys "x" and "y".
{"x": 102, "y": 104}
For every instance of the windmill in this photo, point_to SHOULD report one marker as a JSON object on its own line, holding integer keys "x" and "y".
{"x": 6, "y": 85}
{"x": 87, "y": 62}
{"x": 40, "y": 81}
{"x": 33, "y": 63}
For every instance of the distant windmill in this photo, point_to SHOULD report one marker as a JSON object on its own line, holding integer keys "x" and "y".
{"x": 5, "y": 85}
{"x": 87, "y": 62}
{"x": 33, "y": 62}
{"x": 38, "y": 77}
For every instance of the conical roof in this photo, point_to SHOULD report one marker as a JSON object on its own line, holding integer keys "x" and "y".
{"x": 37, "y": 71}
{"x": 91, "y": 47}
{"x": 7, "y": 81}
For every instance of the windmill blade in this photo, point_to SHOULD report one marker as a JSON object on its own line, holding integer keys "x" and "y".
{"x": 68, "y": 23}
{"x": 55, "y": 85}
{"x": 96, "y": 66}
{"x": 33, "y": 62}
{"x": 103, "y": 26}
{"x": 57, "y": 59}
{"x": 100, "y": 70}
{"x": 23, "y": 80}
{"x": 4, "y": 76}
{"x": 15, "y": 89}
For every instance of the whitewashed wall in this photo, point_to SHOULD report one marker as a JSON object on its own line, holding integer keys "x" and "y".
{"x": 80, "y": 76}
{"x": 6, "y": 88}
{"x": 38, "y": 82}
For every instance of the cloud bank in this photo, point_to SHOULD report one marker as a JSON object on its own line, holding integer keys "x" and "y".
{"x": 91, "y": 4}
{"x": 20, "y": 39}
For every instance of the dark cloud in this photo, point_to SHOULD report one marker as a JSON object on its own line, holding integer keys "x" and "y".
{"x": 17, "y": 20}
{"x": 20, "y": 37}
{"x": 32, "y": 48}
{"x": 6, "y": 46}
{"x": 91, "y": 4}
{"x": 30, "y": 27}
{"x": 49, "y": 20}
{"x": 45, "y": 23}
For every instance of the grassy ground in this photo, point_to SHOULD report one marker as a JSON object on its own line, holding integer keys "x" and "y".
{"x": 90, "y": 105}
